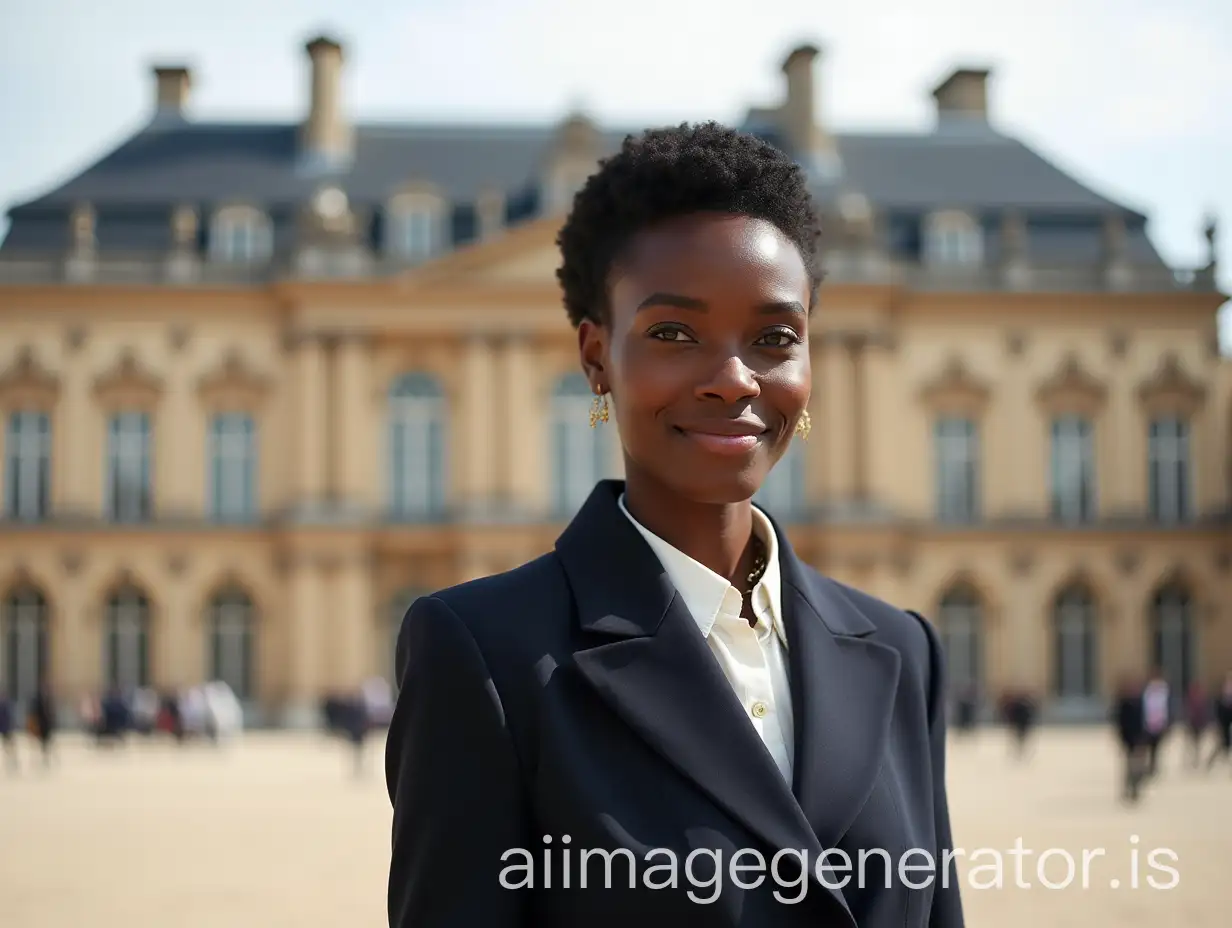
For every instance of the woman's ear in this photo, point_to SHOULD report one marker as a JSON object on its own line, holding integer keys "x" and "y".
{"x": 592, "y": 350}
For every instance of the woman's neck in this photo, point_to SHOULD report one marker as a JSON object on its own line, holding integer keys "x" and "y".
{"x": 714, "y": 534}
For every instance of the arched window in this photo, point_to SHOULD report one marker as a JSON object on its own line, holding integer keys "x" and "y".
{"x": 783, "y": 493}
{"x": 24, "y": 643}
{"x": 417, "y": 415}
{"x": 232, "y": 642}
{"x": 581, "y": 455}
{"x": 1174, "y": 636}
{"x": 1075, "y": 633}
{"x": 960, "y": 619}
{"x": 126, "y": 644}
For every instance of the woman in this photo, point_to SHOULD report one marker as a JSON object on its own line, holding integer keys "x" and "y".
{"x": 669, "y": 718}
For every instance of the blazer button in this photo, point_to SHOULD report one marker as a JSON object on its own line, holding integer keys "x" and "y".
{"x": 759, "y": 710}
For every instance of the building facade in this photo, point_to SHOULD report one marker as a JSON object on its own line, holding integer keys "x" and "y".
{"x": 262, "y": 385}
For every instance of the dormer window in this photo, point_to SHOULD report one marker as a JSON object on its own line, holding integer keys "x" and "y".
{"x": 241, "y": 235}
{"x": 415, "y": 228}
{"x": 953, "y": 239}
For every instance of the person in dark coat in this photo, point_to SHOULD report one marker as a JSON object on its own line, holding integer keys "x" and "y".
{"x": 1198, "y": 718}
{"x": 1223, "y": 723}
{"x": 1129, "y": 721}
{"x": 671, "y": 679}
{"x": 7, "y": 739}
{"x": 43, "y": 722}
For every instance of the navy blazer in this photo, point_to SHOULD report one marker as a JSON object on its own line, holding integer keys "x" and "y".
{"x": 569, "y": 710}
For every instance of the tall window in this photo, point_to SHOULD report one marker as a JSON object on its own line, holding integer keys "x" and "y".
{"x": 783, "y": 493}
{"x": 27, "y": 466}
{"x": 232, "y": 638}
{"x": 1075, "y": 644}
{"x": 961, "y": 623}
{"x": 24, "y": 643}
{"x": 129, "y": 497}
{"x": 1173, "y": 636}
{"x": 126, "y": 646}
{"x": 233, "y": 467}
{"x": 957, "y": 455}
{"x": 1171, "y": 495}
{"x": 580, "y": 454}
{"x": 1073, "y": 469}
{"x": 415, "y": 231}
{"x": 416, "y": 448}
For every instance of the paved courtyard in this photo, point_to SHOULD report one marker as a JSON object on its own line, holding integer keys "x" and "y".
{"x": 276, "y": 832}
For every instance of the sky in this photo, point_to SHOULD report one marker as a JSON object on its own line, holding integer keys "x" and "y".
{"x": 1133, "y": 97}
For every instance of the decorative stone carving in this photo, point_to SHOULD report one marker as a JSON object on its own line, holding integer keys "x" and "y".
{"x": 956, "y": 390}
{"x": 76, "y": 336}
{"x": 234, "y": 384}
{"x": 1021, "y": 563}
{"x": 1170, "y": 390}
{"x": 178, "y": 337}
{"x": 1072, "y": 390}
{"x": 72, "y": 561}
{"x": 1127, "y": 561}
{"x": 27, "y": 384}
{"x": 1015, "y": 344}
{"x": 1118, "y": 343}
{"x": 177, "y": 564}
{"x": 128, "y": 383}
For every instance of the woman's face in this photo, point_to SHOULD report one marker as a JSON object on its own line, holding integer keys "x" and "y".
{"x": 706, "y": 353}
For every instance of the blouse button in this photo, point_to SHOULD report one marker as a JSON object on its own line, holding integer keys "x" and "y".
{"x": 759, "y": 710}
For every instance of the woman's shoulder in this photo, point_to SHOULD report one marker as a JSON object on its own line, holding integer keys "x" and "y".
{"x": 526, "y": 595}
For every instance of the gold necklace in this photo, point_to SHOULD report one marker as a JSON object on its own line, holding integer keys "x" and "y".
{"x": 759, "y": 563}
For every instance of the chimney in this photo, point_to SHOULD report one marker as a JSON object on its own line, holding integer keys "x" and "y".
{"x": 804, "y": 135}
{"x": 962, "y": 98}
{"x": 326, "y": 136}
{"x": 172, "y": 84}
{"x": 799, "y": 110}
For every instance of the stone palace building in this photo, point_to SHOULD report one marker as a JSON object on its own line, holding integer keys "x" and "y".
{"x": 262, "y": 384}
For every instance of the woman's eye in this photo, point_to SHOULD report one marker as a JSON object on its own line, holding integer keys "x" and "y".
{"x": 785, "y": 339}
{"x": 670, "y": 335}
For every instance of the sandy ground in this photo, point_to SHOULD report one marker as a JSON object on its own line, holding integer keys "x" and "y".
{"x": 275, "y": 831}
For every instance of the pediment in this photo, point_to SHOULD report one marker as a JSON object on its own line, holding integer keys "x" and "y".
{"x": 26, "y": 384}
{"x": 956, "y": 389}
{"x": 128, "y": 383}
{"x": 1171, "y": 390}
{"x": 524, "y": 255}
{"x": 1072, "y": 389}
{"x": 234, "y": 384}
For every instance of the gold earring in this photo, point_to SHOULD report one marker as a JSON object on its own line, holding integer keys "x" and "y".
{"x": 804, "y": 425}
{"x": 598, "y": 409}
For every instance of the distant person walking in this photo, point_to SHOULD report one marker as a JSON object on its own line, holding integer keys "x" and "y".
{"x": 7, "y": 740}
{"x": 42, "y": 722}
{"x": 1198, "y": 717}
{"x": 1128, "y": 720}
{"x": 1223, "y": 723}
{"x": 1157, "y": 717}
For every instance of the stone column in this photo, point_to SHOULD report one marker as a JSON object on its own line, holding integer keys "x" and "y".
{"x": 311, "y": 408}
{"x": 180, "y": 656}
{"x": 180, "y": 447}
{"x": 304, "y": 638}
{"x": 882, "y": 414}
{"x": 78, "y": 445}
{"x": 837, "y": 381}
{"x": 351, "y": 624}
{"x": 519, "y": 450}
{"x": 353, "y": 430}
{"x": 477, "y": 424}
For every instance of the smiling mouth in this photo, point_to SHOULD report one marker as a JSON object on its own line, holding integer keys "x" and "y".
{"x": 734, "y": 438}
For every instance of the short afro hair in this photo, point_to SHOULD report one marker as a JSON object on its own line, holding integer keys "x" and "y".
{"x": 670, "y": 172}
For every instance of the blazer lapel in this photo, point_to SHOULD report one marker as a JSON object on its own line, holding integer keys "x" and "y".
{"x": 843, "y": 686}
{"x": 656, "y": 672}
